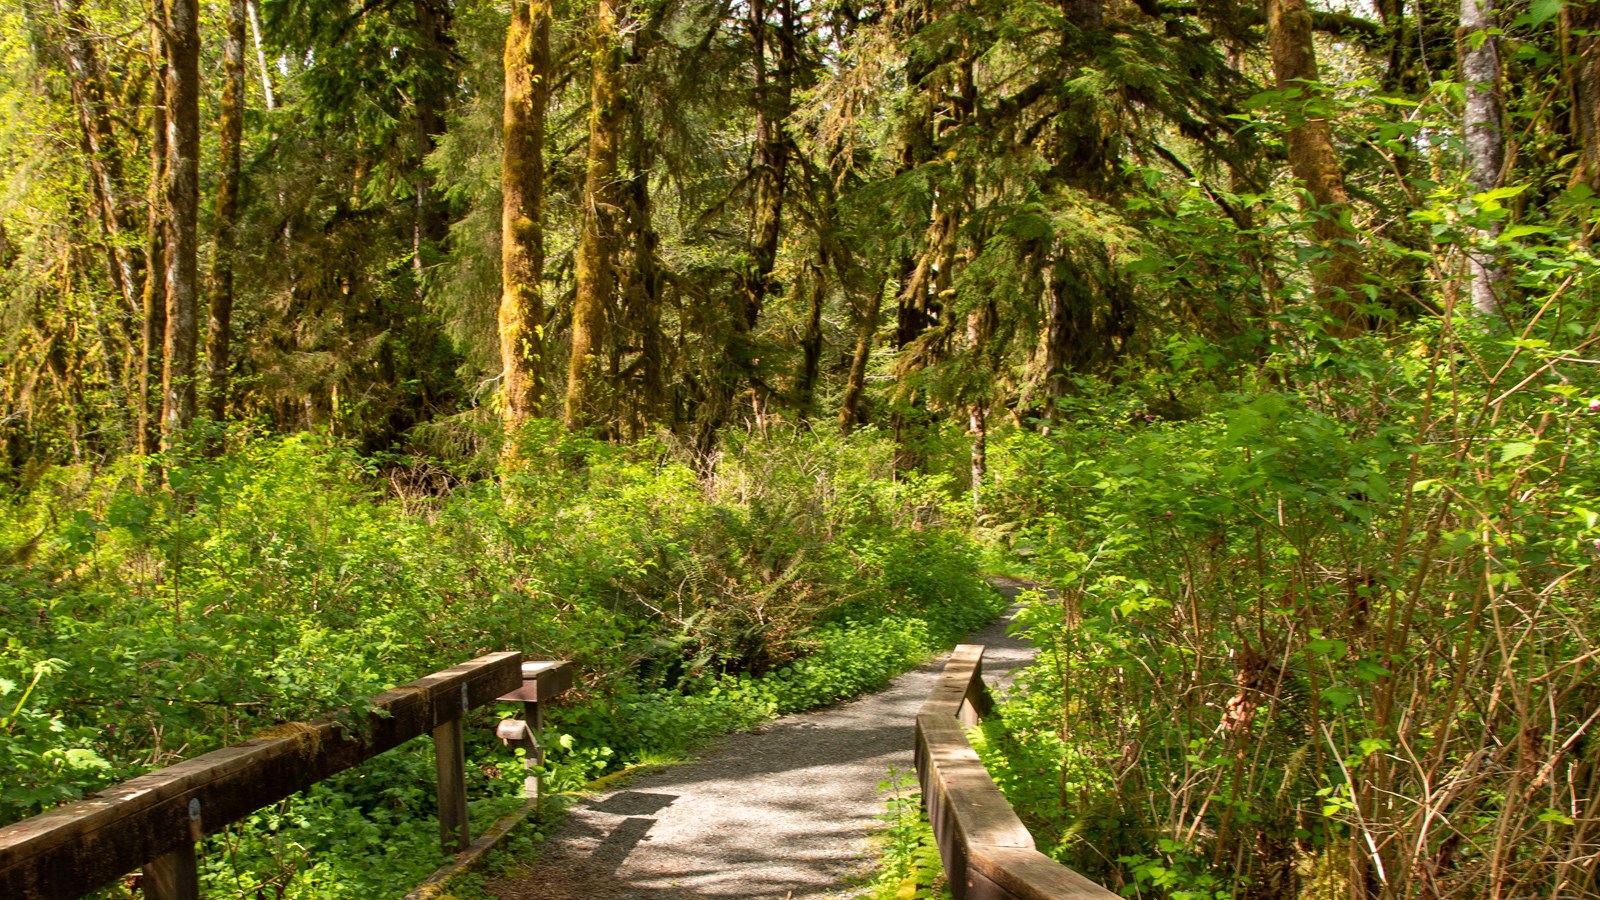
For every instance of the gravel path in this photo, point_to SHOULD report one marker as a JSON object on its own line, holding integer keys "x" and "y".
{"x": 780, "y": 812}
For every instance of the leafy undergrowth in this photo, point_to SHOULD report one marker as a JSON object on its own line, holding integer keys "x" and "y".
{"x": 1337, "y": 640}
{"x": 908, "y": 863}
{"x": 292, "y": 576}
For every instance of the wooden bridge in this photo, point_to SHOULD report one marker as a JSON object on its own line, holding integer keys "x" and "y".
{"x": 154, "y": 822}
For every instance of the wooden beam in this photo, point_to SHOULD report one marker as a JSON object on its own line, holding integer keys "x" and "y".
{"x": 987, "y": 852}
{"x": 964, "y": 666}
{"x": 1027, "y": 874}
{"x": 450, "y": 769}
{"x": 70, "y": 851}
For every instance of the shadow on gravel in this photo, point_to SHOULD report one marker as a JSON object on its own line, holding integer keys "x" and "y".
{"x": 634, "y": 803}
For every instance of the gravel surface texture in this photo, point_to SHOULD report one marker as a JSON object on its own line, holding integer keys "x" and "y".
{"x": 782, "y": 812}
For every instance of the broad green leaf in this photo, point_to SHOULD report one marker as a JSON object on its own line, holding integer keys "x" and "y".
{"x": 1542, "y": 11}
{"x": 1516, "y": 450}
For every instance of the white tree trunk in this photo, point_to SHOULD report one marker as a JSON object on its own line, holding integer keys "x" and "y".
{"x": 1483, "y": 143}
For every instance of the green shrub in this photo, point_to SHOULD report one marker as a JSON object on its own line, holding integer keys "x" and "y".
{"x": 290, "y": 577}
{"x": 1280, "y": 626}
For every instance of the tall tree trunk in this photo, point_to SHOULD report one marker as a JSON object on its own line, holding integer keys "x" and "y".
{"x": 596, "y": 286}
{"x": 111, "y": 354}
{"x": 154, "y": 299}
{"x": 1315, "y": 163}
{"x": 1400, "y": 49}
{"x": 851, "y": 410}
{"x": 219, "y": 326}
{"x": 1068, "y": 321}
{"x": 183, "y": 202}
{"x": 430, "y": 226}
{"x": 522, "y": 316}
{"x": 267, "y": 95}
{"x": 811, "y": 346}
{"x": 1484, "y": 144}
{"x": 1582, "y": 22}
{"x": 773, "y": 98}
{"x": 980, "y": 335}
{"x": 87, "y": 78}
{"x": 640, "y": 280}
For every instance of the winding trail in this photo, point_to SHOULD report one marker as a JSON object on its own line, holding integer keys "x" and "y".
{"x": 783, "y": 811}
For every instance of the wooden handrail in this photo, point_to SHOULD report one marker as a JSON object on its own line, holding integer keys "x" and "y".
{"x": 988, "y": 853}
{"x": 154, "y": 821}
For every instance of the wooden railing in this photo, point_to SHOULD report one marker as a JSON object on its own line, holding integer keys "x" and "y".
{"x": 988, "y": 854}
{"x": 154, "y": 821}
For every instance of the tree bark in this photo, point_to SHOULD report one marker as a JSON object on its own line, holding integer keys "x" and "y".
{"x": 219, "y": 325}
{"x": 429, "y": 227}
{"x": 596, "y": 285}
{"x": 640, "y": 279}
{"x": 1484, "y": 145}
{"x": 87, "y": 77}
{"x": 154, "y": 299}
{"x": 1584, "y": 76}
{"x": 851, "y": 411}
{"x": 773, "y": 98}
{"x": 267, "y": 95}
{"x": 183, "y": 196}
{"x": 1315, "y": 163}
{"x": 522, "y": 315}
{"x": 811, "y": 346}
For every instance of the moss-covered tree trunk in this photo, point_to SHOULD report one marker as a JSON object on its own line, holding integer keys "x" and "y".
{"x": 595, "y": 269}
{"x": 522, "y": 316}
{"x": 183, "y": 203}
{"x": 219, "y": 324}
{"x": 811, "y": 345}
{"x": 852, "y": 411}
{"x": 1581, "y": 21}
{"x": 641, "y": 282}
{"x": 773, "y": 98}
{"x": 87, "y": 76}
{"x": 154, "y": 299}
{"x": 1316, "y": 164}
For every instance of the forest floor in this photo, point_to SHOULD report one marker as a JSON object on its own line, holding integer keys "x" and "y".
{"x": 784, "y": 811}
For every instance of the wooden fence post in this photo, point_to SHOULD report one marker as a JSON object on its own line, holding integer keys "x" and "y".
{"x": 175, "y": 875}
{"x": 535, "y": 757}
{"x": 450, "y": 769}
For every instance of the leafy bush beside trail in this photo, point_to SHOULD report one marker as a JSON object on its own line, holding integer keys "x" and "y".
{"x": 281, "y": 581}
{"x": 1330, "y": 641}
